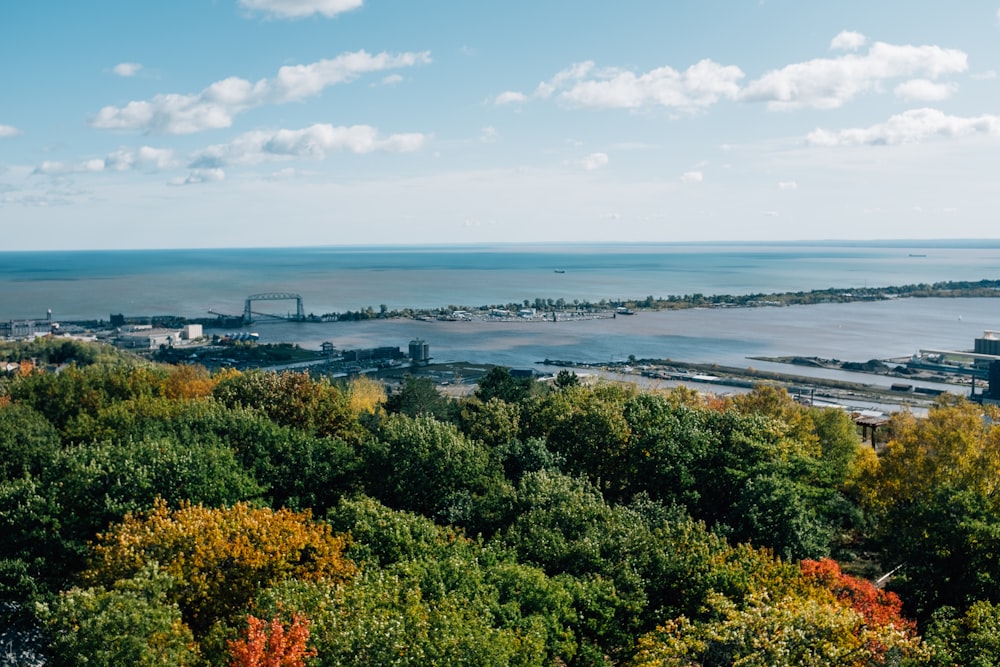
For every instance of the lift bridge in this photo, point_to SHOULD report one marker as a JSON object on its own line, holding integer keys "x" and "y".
{"x": 248, "y": 313}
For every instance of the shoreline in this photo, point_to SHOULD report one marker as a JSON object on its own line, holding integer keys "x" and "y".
{"x": 549, "y": 310}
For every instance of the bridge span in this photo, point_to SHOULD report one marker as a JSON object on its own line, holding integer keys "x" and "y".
{"x": 300, "y": 313}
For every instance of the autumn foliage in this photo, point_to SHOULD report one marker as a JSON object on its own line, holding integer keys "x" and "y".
{"x": 525, "y": 526}
{"x": 271, "y": 644}
{"x": 220, "y": 557}
{"x": 880, "y": 608}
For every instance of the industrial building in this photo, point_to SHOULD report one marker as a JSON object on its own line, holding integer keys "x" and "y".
{"x": 147, "y": 339}
{"x": 17, "y": 329}
{"x": 419, "y": 351}
{"x": 376, "y": 353}
{"x": 988, "y": 344}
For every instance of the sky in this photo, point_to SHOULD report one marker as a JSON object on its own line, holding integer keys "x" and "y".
{"x": 259, "y": 123}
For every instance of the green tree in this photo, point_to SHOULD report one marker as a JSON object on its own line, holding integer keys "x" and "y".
{"x": 295, "y": 468}
{"x": 384, "y": 619}
{"x": 64, "y": 396}
{"x": 427, "y": 466}
{"x": 132, "y": 623}
{"x": 499, "y": 383}
{"x": 445, "y": 566}
{"x": 565, "y": 378}
{"x": 49, "y": 520}
{"x": 27, "y": 441}
{"x": 419, "y": 397}
{"x": 587, "y": 428}
{"x": 971, "y": 639}
{"x": 494, "y": 423}
{"x": 294, "y": 400}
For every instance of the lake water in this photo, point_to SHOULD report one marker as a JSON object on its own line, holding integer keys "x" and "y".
{"x": 94, "y": 284}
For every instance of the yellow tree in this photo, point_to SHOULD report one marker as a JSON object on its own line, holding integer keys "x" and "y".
{"x": 957, "y": 444}
{"x": 365, "y": 395}
{"x": 219, "y": 558}
{"x": 809, "y": 627}
{"x": 934, "y": 496}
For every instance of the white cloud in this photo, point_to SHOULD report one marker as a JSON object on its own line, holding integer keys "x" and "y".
{"x": 699, "y": 86}
{"x": 574, "y": 72}
{"x": 985, "y": 76}
{"x": 594, "y": 161}
{"x": 788, "y": 185}
{"x": 295, "y": 9}
{"x": 392, "y": 80}
{"x": 770, "y": 214}
{"x": 922, "y": 90}
{"x": 510, "y": 97}
{"x": 829, "y": 83}
{"x": 912, "y": 126}
{"x": 215, "y": 106}
{"x": 197, "y": 176}
{"x": 145, "y": 158}
{"x": 692, "y": 177}
{"x": 8, "y": 131}
{"x": 489, "y": 135}
{"x": 848, "y": 40}
{"x": 126, "y": 69}
{"x": 55, "y": 168}
{"x": 585, "y": 85}
{"x": 51, "y": 168}
{"x": 314, "y": 142}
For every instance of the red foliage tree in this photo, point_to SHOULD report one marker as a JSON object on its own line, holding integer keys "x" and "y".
{"x": 270, "y": 644}
{"x": 879, "y": 608}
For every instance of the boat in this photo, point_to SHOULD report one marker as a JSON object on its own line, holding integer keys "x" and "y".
{"x": 560, "y": 270}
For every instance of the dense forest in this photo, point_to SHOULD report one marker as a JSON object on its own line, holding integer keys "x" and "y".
{"x": 163, "y": 515}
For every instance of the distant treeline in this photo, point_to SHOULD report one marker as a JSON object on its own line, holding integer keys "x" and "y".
{"x": 946, "y": 289}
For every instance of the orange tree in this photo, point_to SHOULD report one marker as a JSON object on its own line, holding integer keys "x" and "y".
{"x": 271, "y": 645}
{"x": 219, "y": 558}
{"x": 820, "y": 617}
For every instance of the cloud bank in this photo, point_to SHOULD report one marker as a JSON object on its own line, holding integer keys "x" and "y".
{"x": 297, "y": 9}
{"x": 587, "y": 86}
{"x": 217, "y": 105}
{"x": 314, "y": 142}
{"x": 821, "y": 83}
{"x": 909, "y": 127}
{"x": 829, "y": 83}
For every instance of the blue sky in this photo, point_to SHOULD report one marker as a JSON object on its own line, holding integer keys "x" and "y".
{"x": 225, "y": 123}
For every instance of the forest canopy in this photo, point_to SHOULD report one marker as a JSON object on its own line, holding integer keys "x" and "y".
{"x": 158, "y": 514}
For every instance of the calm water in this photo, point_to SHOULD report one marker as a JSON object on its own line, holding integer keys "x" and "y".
{"x": 90, "y": 285}
{"x": 850, "y": 332}
{"x": 93, "y": 284}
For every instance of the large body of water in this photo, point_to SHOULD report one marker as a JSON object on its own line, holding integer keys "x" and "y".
{"x": 94, "y": 284}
